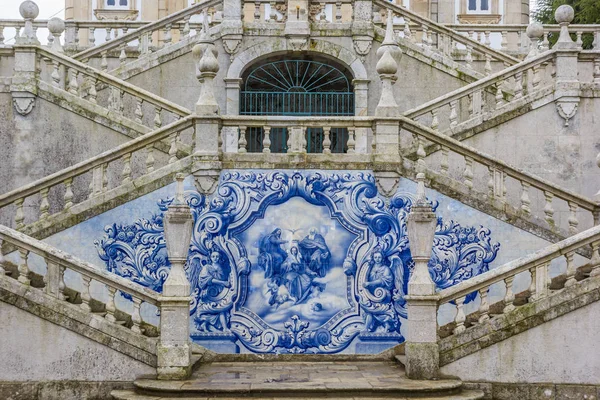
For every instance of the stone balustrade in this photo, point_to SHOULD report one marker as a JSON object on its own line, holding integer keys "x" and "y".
{"x": 436, "y": 37}
{"x": 144, "y": 38}
{"x": 57, "y": 263}
{"x": 488, "y": 95}
{"x": 513, "y": 37}
{"x": 111, "y": 93}
{"x": 498, "y": 183}
{"x": 536, "y": 265}
{"x": 39, "y": 201}
{"x": 282, "y": 134}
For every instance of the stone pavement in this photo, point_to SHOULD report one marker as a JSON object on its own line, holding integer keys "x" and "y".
{"x": 272, "y": 380}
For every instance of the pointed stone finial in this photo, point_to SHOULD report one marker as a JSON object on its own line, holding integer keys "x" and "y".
{"x": 535, "y": 32}
{"x": 564, "y": 15}
{"x": 29, "y": 11}
{"x": 56, "y": 26}
{"x": 208, "y": 66}
{"x": 387, "y": 67}
{"x": 179, "y": 198}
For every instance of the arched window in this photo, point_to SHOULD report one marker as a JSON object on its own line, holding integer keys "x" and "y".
{"x": 297, "y": 87}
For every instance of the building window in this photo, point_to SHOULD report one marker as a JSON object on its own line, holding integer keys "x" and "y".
{"x": 478, "y": 6}
{"x": 117, "y": 3}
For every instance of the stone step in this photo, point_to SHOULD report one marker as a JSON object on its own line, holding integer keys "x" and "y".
{"x": 293, "y": 379}
{"x": 464, "y": 395}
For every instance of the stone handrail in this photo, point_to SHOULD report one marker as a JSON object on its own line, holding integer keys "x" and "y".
{"x": 164, "y": 24}
{"x": 493, "y": 84}
{"x": 84, "y": 81}
{"x": 444, "y": 33}
{"x": 537, "y": 264}
{"x": 57, "y": 262}
{"x": 494, "y": 187}
{"x": 95, "y": 171}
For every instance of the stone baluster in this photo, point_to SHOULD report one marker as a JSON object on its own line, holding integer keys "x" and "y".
{"x": 44, "y": 204}
{"x": 488, "y": 65}
{"x": 595, "y": 260}
{"x": 104, "y": 61}
{"x": 108, "y": 36}
{"x": 469, "y": 57}
{"x": 525, "y": 201}
{"x": 19, "y": 215}
{"x": 421, "y": 166}
{"x": 85, "y": 293}
{"x": 149, "y": 158}
{"x": 168, "y": 38}
{"x": 73, "y": 85}
{"x": 596, "y": 42}
{"x": 136, "y": 316}
{"x": 460, "y": 318}
{"x": 422, "y": 351}
{"x": 56, "y": 27}
{"x": 92, "y": 91}
{"x": 424, "y": 39}
{"x": 173, "y": 148}
{"x": 537, "y": 79}
{"x": 453, "y": 113}
{"x": 548, "y": 210}
{"x": 570, "y": 269}
{"x": 532, "y": 285}
{"x": 468, "y": 172}
{"x": 55, "y": 73}
{"x": 92, "y": 37}
{"x": 545, "y": 43}
{"x": 157, "y": 117}
{"x": 110, "y": 305}
{"x": 68, "y": 196}
{"x": 266, "y": 139}
{"x": 435, "y": 122}
{"x": 499, "y": 95}
{"x": 542, "y": 280}
{"x": 186, "y": 26}
{"x": 573, "y": 221}
{"x": 487, "y": 40}
{"x": 338, "y": 11}
{"x": 351, "y": 140}
{"x": 23, "y": 267}
{"x": 509, "y": 296}
{"x": 504, "y": 41}
{"x": 484, "y": 306}
{"x": 126, "y": 173}
{"x": 2, "y": 35}
{"x": 518, "y": 91}
{"x": 470, "y": 105}
{"x": 174, "y": 352}
{"x": 242, "y": 142}
{"x": 122, "y": 54}
{"x": 407, "y": 32}
{"x": 326, "y": 140}
{"x": 444, "y": 164}
{"x": 139, "y": 112}
{"x": 579, "y": 41}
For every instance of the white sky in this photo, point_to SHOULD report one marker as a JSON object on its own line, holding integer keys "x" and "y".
{"x": 9, "y": 9}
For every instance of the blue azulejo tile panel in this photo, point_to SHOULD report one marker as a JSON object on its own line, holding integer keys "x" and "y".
{"x": 296, "y": 262}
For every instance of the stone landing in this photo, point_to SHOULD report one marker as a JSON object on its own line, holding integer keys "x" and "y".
{"x": 306, "y": 379}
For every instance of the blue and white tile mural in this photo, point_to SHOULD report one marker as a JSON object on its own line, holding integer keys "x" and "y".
{"x": 296, "y": 262}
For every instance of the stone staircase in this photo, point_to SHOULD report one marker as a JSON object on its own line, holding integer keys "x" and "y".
{"x": 304, "y": 377}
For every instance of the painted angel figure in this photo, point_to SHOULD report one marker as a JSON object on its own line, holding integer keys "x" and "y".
{"x": 380, "y": 293}
{"x": 213, "y": 282}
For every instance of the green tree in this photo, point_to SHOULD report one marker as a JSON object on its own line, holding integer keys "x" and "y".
{"x": 586, "y": 12}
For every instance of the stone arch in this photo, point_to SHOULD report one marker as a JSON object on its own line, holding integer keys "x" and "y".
{"x": 322, "y": 47}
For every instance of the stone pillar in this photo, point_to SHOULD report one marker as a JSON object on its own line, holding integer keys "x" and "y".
{"x": 362, "y": 27}
{"x": 174, "y": 351}
{"x": 567, "y": 53}
{"x": 422, "y": 352}
{"x": 361, "y": 109}
{"x": 386, "y": 131}
{"x": 232, "y": 29}
{"x": 297, "y": 26}
{"x": 232, "y": 107}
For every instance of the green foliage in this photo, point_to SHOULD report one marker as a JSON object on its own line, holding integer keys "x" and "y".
{"x": 586, "y": 12}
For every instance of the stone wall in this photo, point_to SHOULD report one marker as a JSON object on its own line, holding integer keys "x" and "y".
{"x": 43, "y": 360}
{"x": 558, "y": 351}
